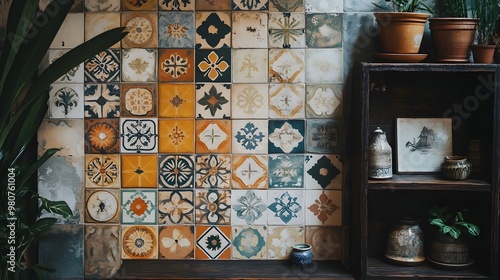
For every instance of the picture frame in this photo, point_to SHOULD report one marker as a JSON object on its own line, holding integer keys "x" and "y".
{"x": 422, "y": 144}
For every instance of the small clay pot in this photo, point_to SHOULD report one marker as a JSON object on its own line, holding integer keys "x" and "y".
{"x": 302, "y": 255}
{"x": 456, "y": 167}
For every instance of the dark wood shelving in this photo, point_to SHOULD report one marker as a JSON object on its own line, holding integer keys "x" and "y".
{"x": 427, "y": 182}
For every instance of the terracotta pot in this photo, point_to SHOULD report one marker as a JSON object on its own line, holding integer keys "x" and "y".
{"x": 483, "y": 53}
{"x": 401, "y": 32}
{"x": 452, "y": 38}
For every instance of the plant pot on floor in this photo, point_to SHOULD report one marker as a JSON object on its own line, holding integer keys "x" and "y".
{"x": 483, "y": 53}
{"x": 452, "y": 38}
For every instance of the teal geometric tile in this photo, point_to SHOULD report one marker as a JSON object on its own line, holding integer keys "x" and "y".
{"x": 323, "y": 136}
{"x": 249, "y": 242}
{"x": 286, "y": 136}
{"x": 285, "y": 207}
{"x": 139, "y": 206}
{"x": 286, "y": 171}
{"x": 323, "y": 172}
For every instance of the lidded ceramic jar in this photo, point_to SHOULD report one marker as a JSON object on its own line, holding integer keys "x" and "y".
{"x": 456, "y": 167}
{"x": 405, "y": 242}
{"x": 302, "y": 255}
{"x": 379, "y": 156}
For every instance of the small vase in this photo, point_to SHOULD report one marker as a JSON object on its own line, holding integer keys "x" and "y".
{"x": 302, "y": 255}
{"x": 456, "y": 167}
{"x": 379, "y": 156}
{"x": 405, "y": 242}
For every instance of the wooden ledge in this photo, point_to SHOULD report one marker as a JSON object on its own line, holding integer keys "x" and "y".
{"x": 231, "y": 269}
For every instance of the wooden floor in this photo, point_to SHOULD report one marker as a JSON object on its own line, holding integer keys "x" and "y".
{"x": 234, "y": 269}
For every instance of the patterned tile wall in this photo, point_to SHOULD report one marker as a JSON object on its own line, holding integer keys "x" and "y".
{"x": 212, "y": 131}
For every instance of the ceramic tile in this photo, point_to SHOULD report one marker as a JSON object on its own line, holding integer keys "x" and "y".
{"x": 213, "y": 101}
{"x": 286, "y": 66}
{"x": 287, "y": 30}
{"x": 138, "y": 100}
{"x": 102, "y": 251}
{"x": 66, "y": 101}
{"x": 213, "y": 207}
{"x": 176, "y": 100}
{"x": 143, "y": 30}
{"x": 96, "y": 23}
{"x": 286, "y": 136}
{"x": 213, "y": 171}
{"x": 176, "y": 171}
{"x": 102, "y": 5}
{"x": 213, "y": 66}
{"x": 323, "y": 136}
{"x": 102, "y": 206}
{"x": 183, "y": 5}
{"x": 139, "y": 5}
{"x": 213, "y": 243}
{"x": 324, "y": 66}
{"x": 250, "y": 65}
{"x": 249, "y": 136}
{"x": 176, "y": 65}
{"x": 139, "y": 65}
{"x": 250, "y": 101}
{"x": 249, "y": 30}
{"x": 211, "y": 5}
{"x": 139, "y": 135}
{"x": 139, "y": 206}
{"x": 324, "y": 30}
{"x": 71, "y": 146}
{"x": 104, "y": 67}
{"x": 320, "y": 6}
{"x": 176, "y": 29}
{"x": 74, "y": 75}
{"x": 102, "y": 171}
{"x": 213, "y": 136}
{"x": 71, "y": 33}
{"x": 102, "y": 101}
{"x": 176, "y": 136}
{"x": 102, "y": 136}
{"x": 287, "y": 101}
{"x": 324, "y": 101}
{"x": 176, "y": 242}
{"x": 249, "y": 207}
{"x": 286, "y": 5}
{"x": 326, "y": 242}
{"x": 323, "y": 172}
{"x": 249, "y": 172}
{"x": 62, "y": 247}
{"x": 139, "y": 171}
{"x": 285, "y": 207}
{"x": 249, "y": 242}
{"x": 286, "y": 171}
{"x": 250, "y": 5}
{"x": 139, "y": 242}
{"x": 280, "y": 240}
{"x": 175, "y": 207}
{"x": 213, "y": 30}
{"x": 323, "y": 207}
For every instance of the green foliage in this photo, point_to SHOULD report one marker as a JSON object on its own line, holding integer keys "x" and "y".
{"x": 407, "y": 6}
{"x": 453, "y": 8}
{"x": 487, "y": 12}
{"x": 451, "y": 223}
{"x": 24, "y": 94}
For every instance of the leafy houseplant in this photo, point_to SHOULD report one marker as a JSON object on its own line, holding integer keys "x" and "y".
{"x": 406, "y": 6}
{"x": 487, "y": 12}
{"x": 453, "y": 8}
{"x": 453, "y": 224}
{"x": 24, "y": 94}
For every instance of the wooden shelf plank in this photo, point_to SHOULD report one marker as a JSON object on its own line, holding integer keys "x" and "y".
{"x": 427, "y": 182}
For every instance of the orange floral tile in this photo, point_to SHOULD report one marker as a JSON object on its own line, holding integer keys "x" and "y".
{"x": 213, "y": 136}
{"x": 102, "y": 171}
{"x": 143, "y": 30}
{"x": 213, "y": 243}
{"x": 139, "y": 242}
{"x": 102, "y": 136}
{"x": 176, "y": 136}
{"x": 176, "y": 100}
{"x": 176, "y": 242}
{"x": 176, "y": 65}
{"x": 138, "y": 100}
{"x": 139, "y": 171}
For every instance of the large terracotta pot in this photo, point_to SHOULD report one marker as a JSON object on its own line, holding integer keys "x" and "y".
{"x": 452, "y": 38}
{"x": 401, "y": 33}
{"x": 483, "y": 53}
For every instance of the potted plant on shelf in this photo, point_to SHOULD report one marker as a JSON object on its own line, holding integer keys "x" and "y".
{"x": 449, "y": 247}
{"x": 401, "y": 30}
{"x": 452, "y": 32}
{"x": 24, "y": 94}
{"x": 487, "y": 12}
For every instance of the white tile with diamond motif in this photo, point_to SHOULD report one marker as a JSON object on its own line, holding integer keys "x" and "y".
{"x": 286, "y": 101}
{"x": 324, "y": 101}
{"x": 323, "y": 171}
{"x": 285, "y": 207}
{"x": 286, "y": 66}
{"x": 250, "y": 171}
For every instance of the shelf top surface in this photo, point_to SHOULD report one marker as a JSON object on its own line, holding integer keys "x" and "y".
{"x": 436, "y": 67}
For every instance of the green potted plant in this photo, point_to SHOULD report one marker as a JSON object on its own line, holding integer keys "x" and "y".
{"x": 401, "y": 30}
{"x": 452, "y": 32}
{"x": 24, "y": 93}
{"x": 487, "y": 12}
{"x": 449, "y": 247}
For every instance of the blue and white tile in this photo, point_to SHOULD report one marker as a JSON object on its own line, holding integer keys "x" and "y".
{"x": 250, "y": 65}
{"x": 103, "y": 67}
{"x": 139, "y": 206}
{"x": 324, "y": 101}
{"x": 287, "y": 101}
{"x": 249, "y": 30}
{"x": 139, "y": 65}
{"x": 249, "y": 136}
{"x": 323, "y": 207}
{"x": 74, "y": 75}
{"x": 249, "y": 207}
{"x": 286, "y": 171}
{"x": 285, "y": 207}
{"x": 323, "y": 136}
{"x": 323, "y": 172}
{"x": 286, "y": 136}
{"x": 249, "y": 101}
{"x": 175, "y": 29}
{"x": 249, "y": 242}
{"x": 102, "y": 101}
{"x": 280, "y": 240}
{"x": 324, "y": 66}
{"x": 250, "y": 172}
{"x": 176, "y": 171}
{"x": 139, "y": 135}
{"x": 66, "y": 101}
{"x": 213, "y": 101}
{"x": 287, "y": 30}
{"x": 320, "y": 6}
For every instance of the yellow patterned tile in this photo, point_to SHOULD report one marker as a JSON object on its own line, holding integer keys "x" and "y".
{"x": 139, "y": 242}
{"x": 176, "y": 100}
{"x": 176, "y": 136}
{"x": 139, "y": 171}
{"x": 102, "y": 171}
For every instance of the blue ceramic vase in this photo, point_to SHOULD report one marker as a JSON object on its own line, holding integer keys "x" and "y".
{"x": 302, "y": 255}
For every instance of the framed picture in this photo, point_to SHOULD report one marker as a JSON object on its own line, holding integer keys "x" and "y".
{"x": 422, "y": 143}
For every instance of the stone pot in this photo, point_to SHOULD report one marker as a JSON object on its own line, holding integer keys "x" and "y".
{"x": 405, "y": 242}
{"x": 456, "y": 167}
{"x": 445, "y": 250}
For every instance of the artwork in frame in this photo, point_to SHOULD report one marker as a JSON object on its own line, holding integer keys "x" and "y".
{"x": 422, "y": 144}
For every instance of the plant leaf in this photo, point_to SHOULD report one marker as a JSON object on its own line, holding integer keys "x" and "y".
{"x": 56, "y": 207}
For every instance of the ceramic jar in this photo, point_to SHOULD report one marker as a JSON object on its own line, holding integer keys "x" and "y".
{"x": 379, "y": 156}
{"x": 405, "y": 242}
{"x": 456, "y": 167}
{"x": 445, "y": 250}
{"x": 302, "y": 255}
